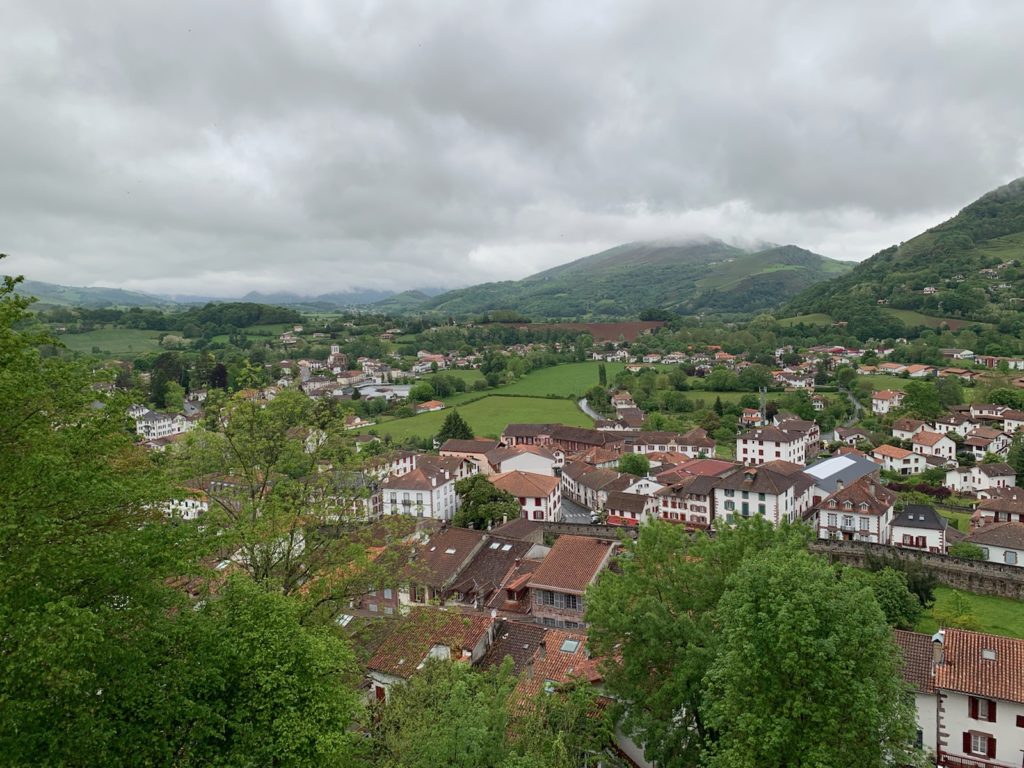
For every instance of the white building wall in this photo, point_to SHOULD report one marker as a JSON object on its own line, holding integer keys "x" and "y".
{"x": 955, "y": 720}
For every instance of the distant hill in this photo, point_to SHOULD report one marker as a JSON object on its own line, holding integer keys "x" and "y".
{"x": 93, "y": 298}
{"x": 969, "y": 267}
{"x": 698, "y": 275}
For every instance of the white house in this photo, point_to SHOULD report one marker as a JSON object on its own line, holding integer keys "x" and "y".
{"x": 979, "y": 698}
{"x": 770, "y": 444}
{"x": 535, "y": 459}
{"x": 919, "y": 527}
{"x": 904, "y": 429}
{"x": 539, "y": 496}
{"x": 885, "y": 400}
{"x": 899, "y": 460}
{"x": 953, "y": 423}
{"x": 422, "y": 492}
{"x": 689, "y": 501}
{"x": 861, "y": 511}
{"x": 982, "y": 440}
{"x": 981, "y": 477}
{"x": 917, "y": 652}
{"x": 152, "y": 425}
{"x": 759, "y": 490}
{"x": 933, "y": 444}
{"x": 1001, "y": 542}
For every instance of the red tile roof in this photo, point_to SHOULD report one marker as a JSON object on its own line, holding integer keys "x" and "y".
{"x": 413, "y": 636}
{"x": 966, "y": 667}
{"x": 526, "y": 484}
{"x": 917, "y": 659}
{"x": 572, "y": 564}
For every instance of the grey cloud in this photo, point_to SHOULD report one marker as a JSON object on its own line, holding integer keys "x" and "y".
{"x": 222, "y": 147}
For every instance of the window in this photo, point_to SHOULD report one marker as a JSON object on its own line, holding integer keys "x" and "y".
{"x": 1010, "y": 557}
{"x": 572, "y": 602}
{"x": 981, "y": 709}
{"x": 570, "y": 646}
{"x": 865, "y": 523}
{"x": 984, "y": 553}
{"x": 548, "y": 598}
{"x": 831, "y": 520}
{"x": 979, "y": 744}
{"x": 847, "y": 521}
{"x": 387, "y": 594}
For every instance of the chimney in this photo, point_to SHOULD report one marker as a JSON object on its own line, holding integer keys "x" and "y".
{"x": 938, "y": 651}
{"x": 840, "y": 485}
{"x": 542, "y": 649}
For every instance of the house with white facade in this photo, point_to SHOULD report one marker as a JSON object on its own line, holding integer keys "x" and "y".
{"x": 982, "y": 440}
{"x": 689, "y": 501}
{"x": 886, "y": 400}
{"x": 770, "y": 444}
{"x": 1001, "y": 543}
{"x": 758, "y": 490}
{"x": 904, "y": 429}
{"x": 981, "y": 477}
{"x": 539, "y": 496}
{"x": 933, "y": 444}
{"x": 919, "y": 527}
{"x": 861, "y": 511}
{"x": 899, "y": 460}
{"x": 426, "y": 491}
{"x": 153, "y": 425}
{"x": 978, "y": 699}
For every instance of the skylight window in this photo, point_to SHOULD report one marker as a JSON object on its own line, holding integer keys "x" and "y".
{"x": 570, "y": 646}
{"x": 988, "y": 654}
{"x": 506, "y": 548}
{"x": 450, "y": 551}
{"x": 343, "y": 620}
{"x": 495, "y": 545}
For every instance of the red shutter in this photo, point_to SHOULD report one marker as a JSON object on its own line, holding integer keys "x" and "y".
{"x": 991, "y": 747}
{"x": 1020, "y": 721}
{"x": 991, "y": 711}
{"x": 973, "y": 702}
{"x": 967, "y": 742}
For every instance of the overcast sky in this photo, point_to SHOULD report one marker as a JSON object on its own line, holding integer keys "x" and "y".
{"x": 216, "y": 147}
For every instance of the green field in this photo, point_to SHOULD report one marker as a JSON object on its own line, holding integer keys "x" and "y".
{"x": 818, "y": 318}
{"x": 116, "y": 341}
{"x": 911, "y": 318}
{"x": 886, "y": 382}
{"x": 489, "y": 416}
{"x": 960, "y": 520}
{"x": 570, "y": 379}
{"x": 469, "y": 375}
{"x": 996, "y": 615}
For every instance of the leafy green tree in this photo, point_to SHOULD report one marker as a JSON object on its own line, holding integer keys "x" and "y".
{"x": 949, "y": 391}
{"x": 889, "y": 586}
{"x": 718, "y": 408}
{"x": 920, "y": 580}
{"x": 1015, "y": 455}
{"x": 967, "y": 550}
{"x": 483, "y": 504}
{"x": 174, "y": 396}
{"x": 634, "y": 464}
{"x": 721, "y": 380}
{"x": 807, "y": 672}
{"x": 921, "y": 400}
{"x": 846, "y": 376}
{"x": 958, "y": 612}
{"x": 454, "y": 427}
{"x": 754, "y": 377}
{"x": 655, "y": 615}
{"x": 420, "y": 393}
{"x": 565, "y": 729}
{"x": 602, "y": 375}
{"x": 447, "y": 714}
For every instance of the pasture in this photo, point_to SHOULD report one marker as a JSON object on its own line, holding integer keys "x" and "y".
{"x": 488, "y": 416}
{"x": 120, "y": 342}
{"x": 995, "y": 615}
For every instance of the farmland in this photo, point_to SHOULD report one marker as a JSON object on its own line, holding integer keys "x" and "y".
{"x": 818, "y": 318}
{"x": 121, "y": 342}
{"x": 910, "y": 318}
{"x": 488, "y": 416}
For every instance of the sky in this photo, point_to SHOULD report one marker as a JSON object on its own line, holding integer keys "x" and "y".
{"x": 214, "y": 148}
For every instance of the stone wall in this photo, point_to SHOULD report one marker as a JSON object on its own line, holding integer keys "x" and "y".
{"x": 982, "y": 578}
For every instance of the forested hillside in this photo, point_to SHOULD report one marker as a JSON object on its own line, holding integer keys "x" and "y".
{"x": 707, "y": 275}
{"x": 968, "y": 267}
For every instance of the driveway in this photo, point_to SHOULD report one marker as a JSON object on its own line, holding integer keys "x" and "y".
{"x": 574, "y": 513}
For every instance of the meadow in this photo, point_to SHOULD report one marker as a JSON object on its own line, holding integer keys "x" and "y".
{"x": 120, "y": 342}
{"x": 995, "y": 615}
{"x": 818, "y": 318}
{"x": 488, "y": 416}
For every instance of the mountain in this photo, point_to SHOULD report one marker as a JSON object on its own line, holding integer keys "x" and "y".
{"x": 696, "y": 275}
{"x": 969, "y": 267}
{"x": 69, "y": 296}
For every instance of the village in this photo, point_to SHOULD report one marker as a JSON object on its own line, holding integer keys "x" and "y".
{"x": 517, "y": 586}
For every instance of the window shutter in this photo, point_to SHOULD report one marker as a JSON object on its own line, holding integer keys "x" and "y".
{"x": 973, "y": 707}
{"x": 967, "y": 743}
{"x": 991, "y": 711}
{"x": 991, "y": 747}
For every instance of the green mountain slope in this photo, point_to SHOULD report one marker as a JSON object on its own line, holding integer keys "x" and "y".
{"x": 68, "y": 296}
{"x": 707, "y": 275}
{"x": 968, "y": 267}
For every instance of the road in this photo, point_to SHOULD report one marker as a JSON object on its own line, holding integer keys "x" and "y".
{"x": 585, "y": 407}
{"x": 574, "y": 513}
{"x": 858, "y": 409}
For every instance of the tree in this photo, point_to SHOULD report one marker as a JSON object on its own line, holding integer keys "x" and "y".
{"x": 754, "y": 377}
{"x": 967, "y": 550}
{"x": 889, "y": 586}
{"x": 483, "y": 504}
{"x": 808, "y": 672}
{"x": 420, "y": 393}
{"x": 454, "y": 428}
{"x": 634, "y": 464}
{"x": 920, "y": 580}
{"x": 218, "y": 376}
{"x": 447, "y": 714}
{"x": 718, "y": 408}
{"x": 655, "y": 615}
{"x": 1015, "y": 456}
{"x": 949, "y": 391}
{"x": 921, "y": 400}
{"x": 958, "y": 612}
{"x": 602, "y": 375}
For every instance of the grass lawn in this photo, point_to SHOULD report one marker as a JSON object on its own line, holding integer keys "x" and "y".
{"x": 885, "y": 382}
{"x": 818, "y": 318}
{"x": 121, "y": 342}
{"x": 996, "y": 615}
{"x": 962, "y": 520}
{"x": 569, "y": 379}
{"x": 269, "y": 329}
{"x": 489, "y": 416}
{"x": 727, "y": 397}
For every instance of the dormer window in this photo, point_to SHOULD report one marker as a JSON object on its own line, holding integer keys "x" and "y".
{"x": 847, "y": 505}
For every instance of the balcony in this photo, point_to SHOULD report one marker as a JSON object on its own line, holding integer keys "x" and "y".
{"x": 954, "y": 761}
